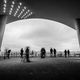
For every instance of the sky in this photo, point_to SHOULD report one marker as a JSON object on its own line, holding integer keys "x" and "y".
{"x": 38, "y": 33}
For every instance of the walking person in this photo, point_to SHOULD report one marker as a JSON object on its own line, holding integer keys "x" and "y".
{"x": 21, "y": 52}
{"x": 8, "y": 53}
{"x": 27, "y": 51}
{"x": 5, "y": 53}
{"x": 43, "y": 52}
{"x": 51, "y": 52}
{"x": 32, "y": 53}
{"x": 68, "y": 52}
{"x": 54, "y": 52}
{"x": 65, "y": 53}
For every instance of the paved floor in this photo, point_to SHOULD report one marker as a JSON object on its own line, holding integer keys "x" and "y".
{"x": 40, "y": 69}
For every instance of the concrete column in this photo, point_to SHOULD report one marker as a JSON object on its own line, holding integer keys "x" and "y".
{"x": 3, "y": 20}
{"x": 78, "y": 28}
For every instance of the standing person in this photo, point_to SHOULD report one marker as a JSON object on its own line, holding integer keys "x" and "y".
{"x": 8, "y": 53}
{"x": 43, "y": 52}
{"x": 32, "y": 53}
{"x": 65, "y": 53}
{"x": 54, "y": 52}
{"x": 51, "y": 52}
{"x": 27, "y": 51}
{"x": 5, "y": 53}
{"x": 21, "y": 52}
{"x": 0, "y": 51}
{"x": 68, "y": 52}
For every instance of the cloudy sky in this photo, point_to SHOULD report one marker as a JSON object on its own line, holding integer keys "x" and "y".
{"x": 38, "y": 33}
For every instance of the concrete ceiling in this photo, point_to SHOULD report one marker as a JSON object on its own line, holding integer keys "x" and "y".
{"x": 64, "y": 11}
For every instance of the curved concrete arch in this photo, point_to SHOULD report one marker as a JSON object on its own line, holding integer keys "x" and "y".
{"x": 47, "y": 19}
{"x": 35, "y": 29}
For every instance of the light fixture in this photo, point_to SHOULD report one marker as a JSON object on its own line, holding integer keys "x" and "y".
{"x": 10, "y": 13}
{"x": 24, "y": 7}
{"x": 20, "y": 3}
{"x": 28, "y": 11}
{"x": 5, "y": 1}
{"x": 18, "y": 6}
{"x": 24, "y": 15}
{"x": 4, "y": 8}
{"x": 31, "y": 13}
{"x": 4, "y": 5}
{"x": 12, "y": 6}
{"x": 11, "y": 9}
{"x": 28, "y": 15}
{"x": 13, "y": 2}
{"x": 17, "y": 10}
{"x": 21, "y": 12}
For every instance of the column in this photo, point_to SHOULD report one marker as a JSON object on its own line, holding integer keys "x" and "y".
{"x": 3, "y": 20}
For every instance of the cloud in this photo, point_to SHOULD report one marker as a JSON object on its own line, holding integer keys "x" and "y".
{"x": 39, "y": 33}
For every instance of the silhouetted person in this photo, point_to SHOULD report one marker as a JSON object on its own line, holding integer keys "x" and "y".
{"x": 5, "y": 53}
{"x": 54, "y": 52}
{"x": 21, "y": 52}
{"x": 27, "y": 51}
{"x": 0, "y": 51}
{"x": 68, "y": 52}
{"x": 43, "y": 52}
{"x": 65, "y": 52}
{"x": 32, "y": 53}
{"x": 51, "y": 52}
{"x": 8, "y": 54}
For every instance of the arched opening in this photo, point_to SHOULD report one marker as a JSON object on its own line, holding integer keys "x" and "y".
{"x": 38, "y": 33}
